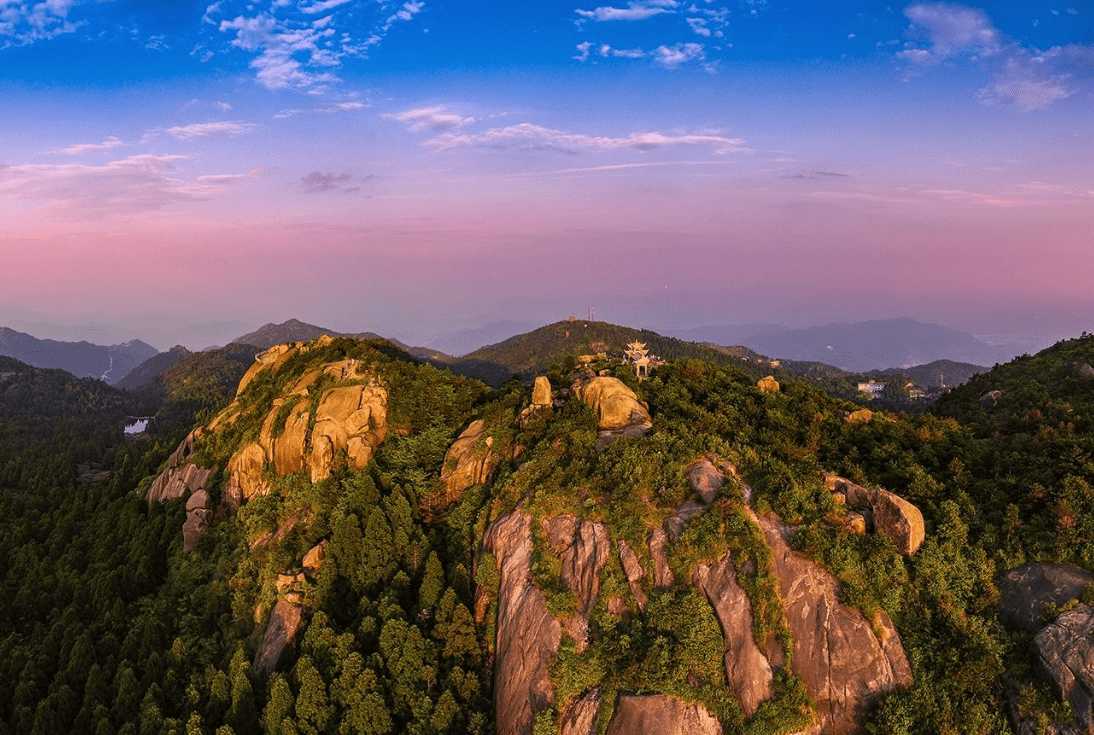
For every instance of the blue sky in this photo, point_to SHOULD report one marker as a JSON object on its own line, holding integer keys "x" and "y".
{"x": 405, "y": 166}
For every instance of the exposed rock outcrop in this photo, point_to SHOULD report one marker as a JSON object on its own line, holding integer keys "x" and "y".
{"x": 353, "y": 419}
{"x": 747, "y": 669}
{"x": 892, "y": 515}
{"x": 860, "y": 416}
{"x": 199, "y": 518}
{"x": 271, "y": 359}
{"x": 175, "y": 483}
{"x": 468, "y": 461}
{"x": 1085, "y": 371}
{"x": 843, "y": 663}
{"x": 704, "y": 479}
{"x": 1065, "y": 651}
{"x": 583, "y": 548}
{"x": 990, "y": 399}
{"x": 285, "y": 622}
{"x": 313, "y": 560}
{"x": 663, "y": 578}
{"x": 1025, "y": 591}
{"x": 617, "y": 406}
{"x": 541, "y": 392}
{"x": 528, "y": 638}
{"x": 634, "y": 572}
{"x": 659, "y": 714}
{"x": 580, "y": 717}
{"x": 245, "y": 479}
{"x": 179, "y": 478}
{"x": 768, "y": 384}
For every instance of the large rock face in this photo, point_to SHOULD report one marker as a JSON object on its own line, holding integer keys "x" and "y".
{"x": 175, "y": 483}
{"x": 583, "y": 547}
{"x": 179, "y": 478}
{"x": 353, "y": 419}
{"x": 1025, "y": 591}
{"x": 528, "y": 637}
{"x": 617, "y": 406}
{"x": 285, "y": 622}
{"x": 658, "y": 714}
{"x": 843, "y": 664}
{"x": 468, "y": 461}
{"x": 747, "y": 669}
{"x": 245, "y": 479}
{"x": 1065, "y": 651}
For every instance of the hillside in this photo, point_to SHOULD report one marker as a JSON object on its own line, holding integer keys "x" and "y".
{"x": 292, "y": 330}
{"x": 82, "y": 359}
{"x": 147, "y": 371}
{"x": 937, "y": 374}
{"x": 534, "y": 352}
{"x": 353, "y": 541}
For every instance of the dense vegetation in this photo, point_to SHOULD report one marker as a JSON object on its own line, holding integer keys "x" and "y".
{"x": 109, "y": 627}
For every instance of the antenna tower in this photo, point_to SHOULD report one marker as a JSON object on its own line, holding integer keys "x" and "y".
{"x": 592, "y": 313}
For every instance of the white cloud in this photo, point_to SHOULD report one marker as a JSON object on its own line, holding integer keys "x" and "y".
{"x": 529, "y": 137}
{"x": 224, "y": 106}
{"x": 209, "y": 130}
{"x": 430, "y": 118}
{"x": 79, "y": 149}
{"x": 1032, "y": 80}
{"x": 681, "y": 53}
{"x": 23, "y": 22}
{"x": 637, "y": 10}
{"x": 292, "y": 48}
{"x": 1021, "y": 77}
{"x": 134, "y": 184}
{"x": 951, "y": 30}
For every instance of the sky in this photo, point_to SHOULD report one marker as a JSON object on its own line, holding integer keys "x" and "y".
{"x": 414, "y": 167}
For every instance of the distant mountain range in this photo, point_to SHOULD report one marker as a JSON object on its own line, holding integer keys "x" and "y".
{"x": 860, "y": 346}
{"x": 82, "y": 359}
{"x": 929, "y": 354}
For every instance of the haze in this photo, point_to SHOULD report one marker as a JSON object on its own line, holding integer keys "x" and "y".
{"x": 409, "y": 168}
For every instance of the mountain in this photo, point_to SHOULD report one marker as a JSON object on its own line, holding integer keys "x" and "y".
{"x": 937, "y": 374}
{"x": 876, "y": 345}
{"x": 534, "y": 352}
{"x": 341, "y": 538}
{"x": 153, "y": 366}
{"x": 82, "y": 359}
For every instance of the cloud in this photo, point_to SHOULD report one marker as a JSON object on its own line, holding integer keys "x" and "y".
{"x": 318, "y": 181}
{"x": 323, "y": 109}
{"x": 23, "y": 23}
{"x": 951, "y": 30}
{"x": 681, "y": 53}
{"x": 295, "y": 49}
{"x": 635, "y": 10}
{"x": 134, "y": 184}
{"x": 224, "y": 106}
{"x": 1022, "y": 77}
{"x": 430, "y": 118}
{"x": 209, "y": 130}
{"x": 530, "y": 137}
{"x": 81, "y": 148}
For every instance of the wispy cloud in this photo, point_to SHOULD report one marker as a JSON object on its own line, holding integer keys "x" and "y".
{"x": 531, "y": 137}
{"x": 635, "y": 10}
{"x": 317, "y": 181}
{"x": 949, "y": 30}
{"x": 209, "y": 130}
{"x": 430, "y": 118}
{"x": 322, "y": 109}
{"x": 1021, "y": 76}
{"x": 81, "y": 148}
{"x": 681, "y": 53}
{"x": 24, "y": 22}
{"x": 297, "y": 46}
{"x": 128, "y": 185}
